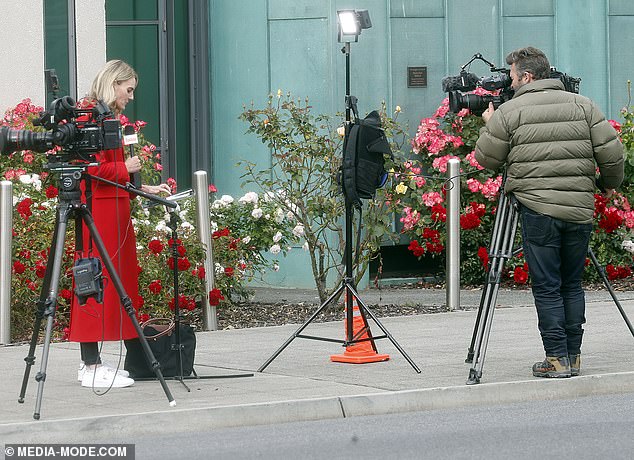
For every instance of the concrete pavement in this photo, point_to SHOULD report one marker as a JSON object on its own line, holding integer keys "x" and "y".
{"x": 302, "y": 383}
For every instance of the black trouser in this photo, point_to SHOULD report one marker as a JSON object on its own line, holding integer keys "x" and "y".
{"x": 90, "y": 350}
{"x": 556, "y": 253}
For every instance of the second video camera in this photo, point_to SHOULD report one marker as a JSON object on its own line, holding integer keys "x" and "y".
{"x": 459, "y": 86}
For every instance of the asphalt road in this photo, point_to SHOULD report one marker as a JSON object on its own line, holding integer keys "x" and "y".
{"x": 585, "y": 428}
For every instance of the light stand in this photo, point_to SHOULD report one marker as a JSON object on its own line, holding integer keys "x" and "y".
{"x": 350, "y": 25}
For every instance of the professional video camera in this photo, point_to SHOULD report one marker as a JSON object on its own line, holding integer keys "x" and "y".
{"x": 457, "y": 86}
{"x": 65, "y": 128}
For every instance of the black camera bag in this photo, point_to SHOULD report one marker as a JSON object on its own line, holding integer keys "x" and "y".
{"x": 162, "y": 341}
{"x": 363, "y": 169}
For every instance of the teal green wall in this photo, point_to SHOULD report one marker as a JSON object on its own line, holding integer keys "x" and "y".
{"x": 258, "y": 47}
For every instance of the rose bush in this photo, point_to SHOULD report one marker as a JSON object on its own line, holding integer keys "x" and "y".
{"x": 241, "y": 237}
{"x": 419, "y": 198}
{"x": 303, "y": 182}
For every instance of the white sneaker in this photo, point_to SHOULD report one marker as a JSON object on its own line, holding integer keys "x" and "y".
{"x": 104, "y": 377}
{"x": 82, "y": 368}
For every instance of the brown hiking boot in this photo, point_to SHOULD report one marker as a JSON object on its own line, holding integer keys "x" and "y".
{"x": 554, "y": 367}
{"x": 575, "y": 364}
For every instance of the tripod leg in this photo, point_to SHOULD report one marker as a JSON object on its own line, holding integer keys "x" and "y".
{"x": 603, "y": 276}
{"x": 302, "y": 327}
{"x": 364, "y": 308}
{"x": 39, "y": 314}
{"x": 54, "y": 264}
{"x": 507, "y": 238}
{"x": 125, "y": 300}
{"x": 494, "y": 248}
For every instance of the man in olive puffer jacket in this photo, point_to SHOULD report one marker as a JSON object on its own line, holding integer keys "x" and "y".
{"x": 551, "y": 142}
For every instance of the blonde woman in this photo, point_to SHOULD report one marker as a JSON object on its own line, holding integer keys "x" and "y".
{"x": 110, "y": 207}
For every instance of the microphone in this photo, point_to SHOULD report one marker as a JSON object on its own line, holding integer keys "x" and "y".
{"x": 130, "y": 138}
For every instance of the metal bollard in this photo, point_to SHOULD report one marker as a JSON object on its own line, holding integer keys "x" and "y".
{"x": 453, "y": 234}
{"x": 201, "y": 193}
{"x": 6, "y": 239}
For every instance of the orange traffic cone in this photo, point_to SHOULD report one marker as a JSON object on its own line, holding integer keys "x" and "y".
{"x": 361, "y": 352}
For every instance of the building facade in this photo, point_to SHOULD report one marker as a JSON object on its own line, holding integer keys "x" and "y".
{"x": 201, "y": 61}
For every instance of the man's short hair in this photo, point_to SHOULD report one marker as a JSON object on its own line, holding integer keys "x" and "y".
{"x": 530, "y": 60}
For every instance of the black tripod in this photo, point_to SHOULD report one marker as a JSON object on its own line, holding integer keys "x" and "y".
{"x": 501, "y": 249}
{"x": 348, "y": 282}
{"x": 71, "y": 207}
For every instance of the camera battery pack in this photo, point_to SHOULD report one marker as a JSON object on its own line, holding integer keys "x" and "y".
{"x": 87, "y": 273}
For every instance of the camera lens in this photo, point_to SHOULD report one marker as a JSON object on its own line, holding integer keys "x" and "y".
{"x": 12, "y": 140}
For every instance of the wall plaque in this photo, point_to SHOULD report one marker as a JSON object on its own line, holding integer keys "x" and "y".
{"x": 417, "y": 77}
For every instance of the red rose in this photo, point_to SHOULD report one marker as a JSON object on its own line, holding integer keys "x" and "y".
{"x": 170, "y": 242}
{"x": 434, "y": 247}
{"x": 212, "y": 188}
{"x": 181, "y": 251}
{"x": 220, "y": 233}
{"x": 520, "y": 276}
{"x": 483, "y": 254}
{"x": 469, "y": 221}
{"x": 215, "y": 296}
{"x": 438, "y": 213}
{"x": 155, "y": 287}
{"x": 155, "y": 246}
{"x": 40, "y": 270}
{"x": 51, "y": 192}
{"x": 65, "y": 294}
{"x": 431, "y": 234}
{"x": 610, "y": 220}
{"x": 24, "y": 208}
{"x": 229, "y": 271}
{"x": 18, "y": 267}
{"x": 183, "y": 302}
{"x": 183, "y": 264}
{"x": 416, "y": 249}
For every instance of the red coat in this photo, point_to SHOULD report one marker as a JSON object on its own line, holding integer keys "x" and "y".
{"x": 94, "y": 322}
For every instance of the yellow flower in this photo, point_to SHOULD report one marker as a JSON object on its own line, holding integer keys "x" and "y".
{"x": 401, "y": 188}
{"x": 341, "y": 131}
{"x": 279, "y": 93}
{"x": 397, "y": 109}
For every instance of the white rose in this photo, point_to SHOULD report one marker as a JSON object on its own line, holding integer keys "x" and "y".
{"x": 279, "y": 216}
{"x": 249, "y": 197}
{"x": 25, "y": 179}
{"x": 277, "y": 237}
{"x": 226, "y": 199}
{"x": 298, "y": 230}
{"x": 246, "y": 239}
{"x": 256, "y": 213}
{"x": 275, "y": 249}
